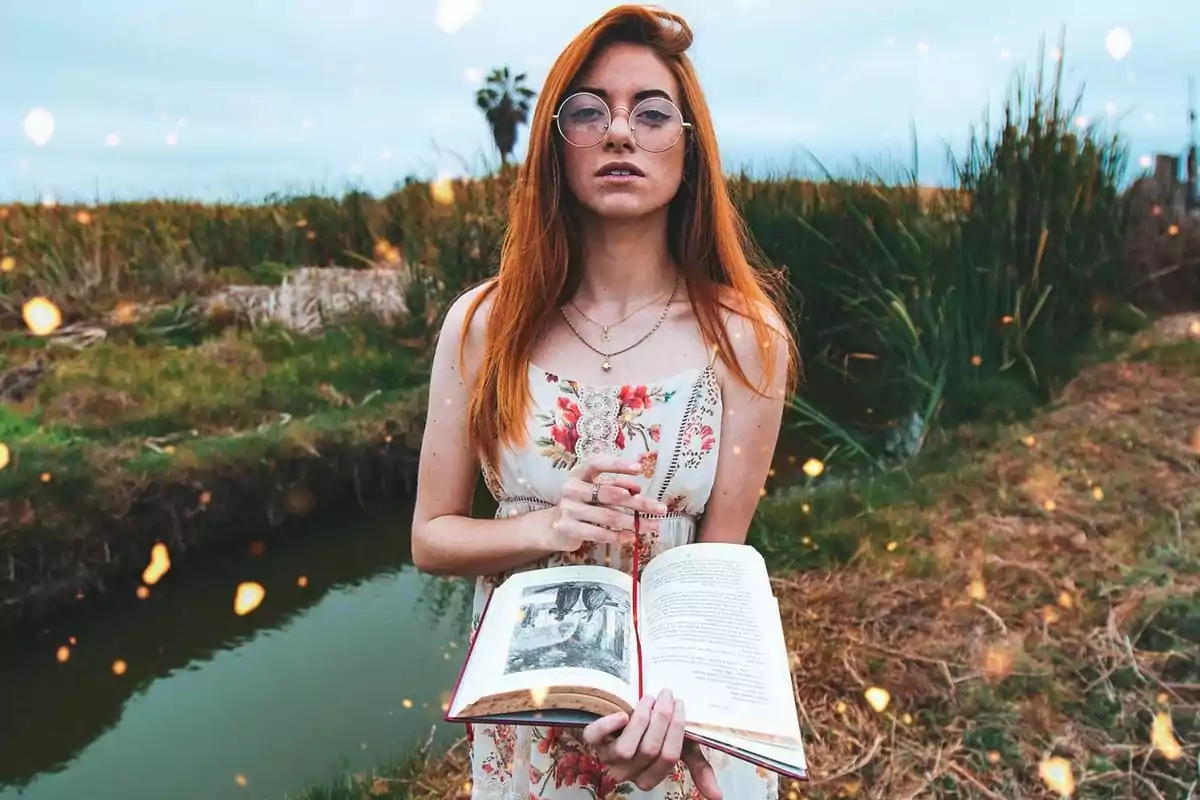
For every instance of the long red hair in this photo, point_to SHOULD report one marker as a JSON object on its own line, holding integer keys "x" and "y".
{"x": 539, "y": 259}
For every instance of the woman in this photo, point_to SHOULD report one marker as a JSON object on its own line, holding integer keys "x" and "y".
{"x": 627, "y": 357}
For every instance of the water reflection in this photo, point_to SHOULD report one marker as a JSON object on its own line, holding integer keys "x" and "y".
{"x": 316, "y": 673}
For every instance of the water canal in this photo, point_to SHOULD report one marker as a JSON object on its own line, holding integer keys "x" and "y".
{"x": 339, "y": 673}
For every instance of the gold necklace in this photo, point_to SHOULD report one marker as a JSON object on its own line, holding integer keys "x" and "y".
{"x": 606, "y": 365}
{"x": 605, "y": 330}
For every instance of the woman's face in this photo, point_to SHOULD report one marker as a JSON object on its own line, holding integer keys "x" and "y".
{"x": 617, "y": 179}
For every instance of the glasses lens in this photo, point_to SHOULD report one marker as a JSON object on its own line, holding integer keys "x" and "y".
{"x": 656, "y": 124}
{"x": 583, "y": 120}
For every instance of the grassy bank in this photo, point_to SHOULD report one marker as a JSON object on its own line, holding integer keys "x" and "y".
{"x": 187, "y": 435}
{"x": 1023, "y": 593}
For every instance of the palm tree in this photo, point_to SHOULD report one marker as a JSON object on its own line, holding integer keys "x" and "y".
{"x": 505, "y": 101}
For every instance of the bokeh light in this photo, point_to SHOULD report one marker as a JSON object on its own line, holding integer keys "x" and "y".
{"x": 41, "y": 316}
{"x": 39, "y": 126}
{"x": 1118, "y": 43}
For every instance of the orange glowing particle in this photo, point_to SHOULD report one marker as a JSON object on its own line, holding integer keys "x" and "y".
{"x": 878, "y": 698}
{"x": 1056, "y": 773}
{"x": 63, "y": 654}
{"x": 119, "y": 667}
{"x": 1066, "y": 600}
{"x": 160, "y": 562}
{"x": 1049, "y": 615}
{"x": 1173, "y": 230}
{"x": 205, "y": 498}
{"x": 1163, "y": 737}
{"x": 1098, "y": 493}
{"x": 46, "y": 477}
{"x": 142, "y": 593}
{"x": 407, "y": 703}
{"x": 442, "y": 191}
{"x": 239, "y": 779}
{"x": 993, "y": 757}
{"x": 1006, "y": 319}
{"x": 8, "y": 264}
{"x": 976, "y": 360}
{"x": 41, "y": 316}
{"x": 249, "y": 596}
{"x": 71, "y": 640}
{"x": 891, "y": 546}
{"x": 302, "y": 581}
{"x": 997, "y": 662}
{"x": 813, "y": 467}
{"x": 258, "y": 548}
{"x": 83, "y": 218}
{"x": 1030, "y": 441}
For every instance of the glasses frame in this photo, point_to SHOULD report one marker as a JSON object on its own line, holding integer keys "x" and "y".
{"x": 684, "y": 126}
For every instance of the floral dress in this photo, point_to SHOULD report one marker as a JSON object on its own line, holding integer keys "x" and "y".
{"x": 672, "y": 427}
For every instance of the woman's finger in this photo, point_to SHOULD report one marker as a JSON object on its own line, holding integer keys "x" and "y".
{"x": 703, "y": 776}
{"x": 597, "y": 732}
{"x": 625, "y": 748}
{"x": 579, "y": 531}
{"x": 598, "y": 465}
{"x": 659, "y": 751}
{"x": 616, "y": 492}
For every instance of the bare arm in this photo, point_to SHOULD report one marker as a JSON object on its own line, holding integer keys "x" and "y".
{"x": 750, "y": 426}
{"x": 445, "y": 539}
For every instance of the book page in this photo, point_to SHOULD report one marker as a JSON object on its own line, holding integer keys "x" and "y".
{"x": 556, "y": 627}
{"x": 711, "y": 634}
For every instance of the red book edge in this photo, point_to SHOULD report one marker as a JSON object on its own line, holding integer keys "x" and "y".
{"x": 637, "y": 579}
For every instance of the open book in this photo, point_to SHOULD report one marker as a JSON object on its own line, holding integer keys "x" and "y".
{"x": 566, "y": 645}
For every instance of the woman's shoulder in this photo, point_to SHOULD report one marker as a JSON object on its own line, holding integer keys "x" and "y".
{"x": 471, "y": 306}
{"x": 464, "y": 327}
{"x": 739, "y": 313}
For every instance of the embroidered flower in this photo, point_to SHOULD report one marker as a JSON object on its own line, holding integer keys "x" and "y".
{"x": 649, "y": 462}
{"x": 699, "y": 438}
{"x": 635, "y": 398}
{"x": 655, "y": 432}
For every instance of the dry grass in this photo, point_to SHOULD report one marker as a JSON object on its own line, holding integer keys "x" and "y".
{"x": 1044, "y": 604}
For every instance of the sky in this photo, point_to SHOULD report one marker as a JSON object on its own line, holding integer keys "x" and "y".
{"x": 240, "y": 99}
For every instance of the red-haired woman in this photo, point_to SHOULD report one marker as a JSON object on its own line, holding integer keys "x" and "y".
{"x": 631, "y": 354}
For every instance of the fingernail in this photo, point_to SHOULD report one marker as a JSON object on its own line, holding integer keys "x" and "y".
{"x": 664, "y": 696}
{"x": 679, "y": 707}
{"x": 660, "y": 509}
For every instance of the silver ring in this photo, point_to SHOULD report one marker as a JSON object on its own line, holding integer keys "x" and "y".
{"x": 595, "y": 493}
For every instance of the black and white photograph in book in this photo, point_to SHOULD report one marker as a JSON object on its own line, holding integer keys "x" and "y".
{"x": 579, "y": 624}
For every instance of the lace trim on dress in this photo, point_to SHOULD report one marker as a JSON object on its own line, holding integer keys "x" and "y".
{"x": 599, "y": 408}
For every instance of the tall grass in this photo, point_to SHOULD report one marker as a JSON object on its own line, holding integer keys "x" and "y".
{"x": 975, "y": 302}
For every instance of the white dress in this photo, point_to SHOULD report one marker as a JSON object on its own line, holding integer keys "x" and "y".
{"x": 672, "y": 426}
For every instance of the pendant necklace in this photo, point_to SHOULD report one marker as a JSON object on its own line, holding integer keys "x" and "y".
{"x": 606, "y": 364}
{"x": 606, "y": 330}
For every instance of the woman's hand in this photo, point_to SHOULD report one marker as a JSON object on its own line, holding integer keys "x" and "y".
{"x": 589, "y": 510}
{"x": 650, "y": 745}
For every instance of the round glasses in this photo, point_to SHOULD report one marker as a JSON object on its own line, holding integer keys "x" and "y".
{"x": 655, "y": 124}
